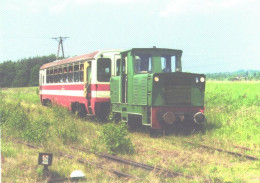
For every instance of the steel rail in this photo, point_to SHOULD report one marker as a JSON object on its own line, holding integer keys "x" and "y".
{"x": 136, "y": 164}
{"x": 223, "y": 150}
{"x": 80, "y": 160}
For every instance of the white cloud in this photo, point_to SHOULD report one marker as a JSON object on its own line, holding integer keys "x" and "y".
{"x": 184, "y": 7}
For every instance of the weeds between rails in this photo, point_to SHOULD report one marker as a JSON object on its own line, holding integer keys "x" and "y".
{"x": 159, "y": 170}
{"x": 80, "y": 160}
{"x": 165, "y": 172}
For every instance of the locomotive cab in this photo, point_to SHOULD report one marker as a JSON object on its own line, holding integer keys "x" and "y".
{"x": 150, "y": 87}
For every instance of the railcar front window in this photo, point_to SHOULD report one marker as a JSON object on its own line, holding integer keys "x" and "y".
{"x": 143, "y": 63}
{"x": 103, "y": 69}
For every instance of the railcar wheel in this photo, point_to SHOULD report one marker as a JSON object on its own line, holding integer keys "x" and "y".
{"x": 73, "y": 107}
{"x": 81, "y": 110}
{"x": 46, "y": 102}
{"x": 103, "y": 111}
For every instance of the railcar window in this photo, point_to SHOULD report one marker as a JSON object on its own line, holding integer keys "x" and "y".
{"x": 60, "y": 80}
{"x": 103, "y": 69}
{"x": 81, "y": 76}
{"x": 70, "y": 77}
{"x": 81, "y": 67}
{"x": 76, "y": 76}
{"x": 70, "y": 74}
{"x": 60, "y": 70}
{"x": 168, "y": 63}
{"x": 76, "y": 67}
{"x": 51, "y": 78}
{"x": 76, "y": 73}
{"x": 65, "y": 75}
{"x": 143, "y": 63}
{"x": 48, "y": 76}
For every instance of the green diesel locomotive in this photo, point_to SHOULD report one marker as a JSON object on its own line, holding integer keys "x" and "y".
{"x": 149, "y": 87}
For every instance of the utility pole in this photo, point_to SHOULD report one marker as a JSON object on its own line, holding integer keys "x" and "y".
{"x": 60, "y": 41}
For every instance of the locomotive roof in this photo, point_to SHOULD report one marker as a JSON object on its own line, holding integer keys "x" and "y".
{"x": 87, "y": 56}
{"x": 152, "y": 50}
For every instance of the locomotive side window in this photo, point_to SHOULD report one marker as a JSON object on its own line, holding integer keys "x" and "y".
{"x": 118, "y": 67}
{"x": 168, "y": 63}
{"x": 143, "y": 63}
{"x": 103, "y": 69}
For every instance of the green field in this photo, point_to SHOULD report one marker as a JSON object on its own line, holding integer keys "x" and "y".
{"x": 233, "y": 119}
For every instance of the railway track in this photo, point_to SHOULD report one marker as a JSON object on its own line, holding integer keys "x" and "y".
{"x": 226, "y": 151}
{"x": 114, "y": 171}
{"x": 82, "y": 161}
{"x": 159, "y": 170}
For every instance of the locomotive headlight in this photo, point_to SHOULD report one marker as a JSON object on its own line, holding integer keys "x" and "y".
{"x": 156, "y": 79}
{"x": 202, "y": 79}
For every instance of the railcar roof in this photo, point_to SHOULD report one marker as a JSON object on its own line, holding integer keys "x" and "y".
{"x": 87, "y": 56}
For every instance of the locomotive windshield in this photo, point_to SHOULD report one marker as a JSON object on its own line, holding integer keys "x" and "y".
{"x": 145, "y": 63}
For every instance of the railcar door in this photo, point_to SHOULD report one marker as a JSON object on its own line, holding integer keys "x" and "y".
{"x": 87, "y": 83}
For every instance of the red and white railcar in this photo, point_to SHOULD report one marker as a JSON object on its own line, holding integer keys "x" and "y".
{"x": 81, "y": 83}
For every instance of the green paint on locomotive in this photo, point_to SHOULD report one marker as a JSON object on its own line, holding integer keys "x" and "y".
{"x": 152, "y": 78}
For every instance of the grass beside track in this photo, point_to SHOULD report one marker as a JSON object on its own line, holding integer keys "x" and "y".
{"x": 233, "y": 118}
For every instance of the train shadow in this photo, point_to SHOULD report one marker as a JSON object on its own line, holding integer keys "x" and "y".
{"x": 178, "y": 129}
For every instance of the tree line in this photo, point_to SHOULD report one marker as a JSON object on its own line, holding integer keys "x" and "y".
{"x": 235, "y": 76}
{"x": 25, "y": 72}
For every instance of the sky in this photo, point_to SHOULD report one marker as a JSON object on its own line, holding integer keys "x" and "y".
{"x": 215, "y": 35}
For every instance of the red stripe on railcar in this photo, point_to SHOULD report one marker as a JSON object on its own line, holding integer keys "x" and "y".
{"x": 94, "y": 87}
{"x": 100, "y": 87}
{"x": 63, "y": 87}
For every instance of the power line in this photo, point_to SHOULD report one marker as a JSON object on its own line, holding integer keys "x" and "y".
{"x": 60, "y": 41}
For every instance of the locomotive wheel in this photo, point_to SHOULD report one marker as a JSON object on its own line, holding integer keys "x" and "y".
{"x": 116, "y": 117}
{"x": 134, "y": 122}
{"x": 155, "y": 132}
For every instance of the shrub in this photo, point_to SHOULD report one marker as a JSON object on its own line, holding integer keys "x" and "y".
{"x": 114, "y": 137}
{"x": 19, "y": 121}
